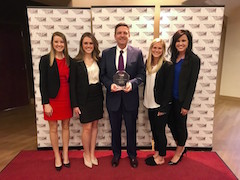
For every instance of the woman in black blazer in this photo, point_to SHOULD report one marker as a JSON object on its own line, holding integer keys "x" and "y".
{"x": 87, "y": 95}
{"x": 157, "y": 97}
{"x": 186, "y": 70}
{"x": 54, "y": 88}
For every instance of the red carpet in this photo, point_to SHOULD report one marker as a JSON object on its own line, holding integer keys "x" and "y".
{"x": 40, "y": 165}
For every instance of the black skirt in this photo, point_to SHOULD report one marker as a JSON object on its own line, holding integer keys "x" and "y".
{"x": 93, "y": 109}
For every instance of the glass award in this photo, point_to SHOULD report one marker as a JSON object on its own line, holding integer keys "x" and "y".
{"x": 120, "y": 78}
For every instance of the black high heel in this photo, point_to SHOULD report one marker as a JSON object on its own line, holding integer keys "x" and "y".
{"x": 67, "y": 165}
{"x": 175, "y": 163}
{"x": 185, "y": 151}
{"x": 58, "y": 168}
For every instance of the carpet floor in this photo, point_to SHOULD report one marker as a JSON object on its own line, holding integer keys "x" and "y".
{"x": 28, "y": 165}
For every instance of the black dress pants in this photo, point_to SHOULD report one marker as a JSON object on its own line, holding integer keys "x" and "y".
{"x": 129, "y": 118}
{"x": 178, "y": 123}
{"x": 158, "y": 124}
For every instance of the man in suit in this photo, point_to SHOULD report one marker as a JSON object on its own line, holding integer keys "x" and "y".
{"x": 122, "y": 102}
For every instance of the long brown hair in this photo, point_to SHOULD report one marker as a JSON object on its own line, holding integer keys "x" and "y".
{"x": 172, "y": 48}
{"x": 65, "y": 51}
{"x": 150, "y": 56}
{"x": 95, "y": 53}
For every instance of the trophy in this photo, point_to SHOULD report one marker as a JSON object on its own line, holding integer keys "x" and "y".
{"x": 120, "y": 78}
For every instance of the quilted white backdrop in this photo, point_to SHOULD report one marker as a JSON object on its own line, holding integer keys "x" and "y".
{"x": 204, "y": 22}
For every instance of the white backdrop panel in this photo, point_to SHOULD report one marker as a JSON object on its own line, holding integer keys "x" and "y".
{"x": 205, "y": 23}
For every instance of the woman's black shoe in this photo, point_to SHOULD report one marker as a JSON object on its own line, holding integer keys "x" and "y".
{"x": 58, "y": 168}
{"x": 149, "y": 158}
{"x": 175, "y": 163}
{"x": 67, "y": 165}
{"x": 185, "y": 151}
{"x": 150, "y": 161}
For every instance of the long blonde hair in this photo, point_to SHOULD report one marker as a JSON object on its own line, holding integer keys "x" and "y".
{"x": 65, "y": 51}
{"x": 150, "y": 57}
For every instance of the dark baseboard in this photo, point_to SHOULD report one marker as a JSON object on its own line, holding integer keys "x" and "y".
{"x": 124, "y": 148}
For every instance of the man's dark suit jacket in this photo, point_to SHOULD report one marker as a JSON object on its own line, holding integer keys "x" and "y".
{"x": 49, "y": 78}
{"x": 134, "y": 67}
{"x": 79, "y": 84}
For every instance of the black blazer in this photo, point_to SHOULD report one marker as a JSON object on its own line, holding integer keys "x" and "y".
{"x": 49, "y": 78}
{"x": 188, "y": 79}
{"x": 163, "y": 86}
{"x": 79, "y": 84}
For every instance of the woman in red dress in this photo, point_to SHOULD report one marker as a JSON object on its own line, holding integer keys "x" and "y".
{"x": 54, "y": 88}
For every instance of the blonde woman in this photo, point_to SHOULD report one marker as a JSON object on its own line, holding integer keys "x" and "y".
{"x": 54, "y": 88}
{"x": 87, "y": 95}
{"x": 157, "y": 97}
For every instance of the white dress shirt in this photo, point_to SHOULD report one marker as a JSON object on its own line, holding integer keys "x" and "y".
{"x": 93, "y": 73}
{"x": 149, "y": 101}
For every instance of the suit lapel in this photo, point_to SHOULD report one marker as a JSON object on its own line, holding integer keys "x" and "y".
{"x": 84, "y": 68}
{"x": 113, "y": 57}
{"x": 129, "y": 56}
